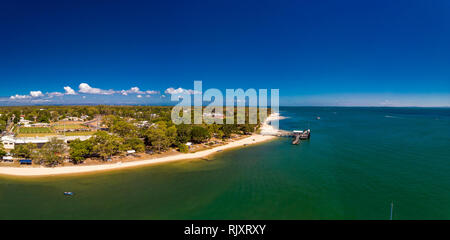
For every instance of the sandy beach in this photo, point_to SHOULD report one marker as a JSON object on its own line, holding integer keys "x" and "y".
{"x": 267, "y": 128}
{"x": 45, "y": 171}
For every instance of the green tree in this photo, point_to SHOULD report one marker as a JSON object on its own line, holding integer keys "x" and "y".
{"x": 106, "y": 145}
{"x": 44, "y": 117}
{"x": 156, "y": 137}
{"x": 227, "y": 130}
{"x": 199, "y": 134}
{"x": 120, "y": 126}
{"x": 134, "y": 143}
{"x": 2, "y": 125}
{"x": 171, "y": 134}
{"x": 23, "y": 150}
{"x": 247, "y": 129}
{"x": 183, "y": 148}
{"x": 2, "y": 150}
{"x": 219, "y": 134}
{"x": 52, "y": 153}
{"x": 123, "y": 128}
{"x": 160, "y": 137}
{"x": 183, "y": 133}
{"x": 80, "y": 150}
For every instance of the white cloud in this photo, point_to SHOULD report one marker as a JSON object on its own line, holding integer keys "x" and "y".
{"x": 175, "y": 91}
{"x": 151, "y": 92}
{"x": 69, "y": 91}
{"x": 33, "y": 94}
{"x": 85, "y": 88}
{"x": 36, "y": 94}
{"x": 55, "y": 94}
{"x": 40, "y": 100}
{"x": 134, "y": 90}
{"x": 180, "y": 91}
{"x": 39, "y": 94}
{"x": 17, "y": 96}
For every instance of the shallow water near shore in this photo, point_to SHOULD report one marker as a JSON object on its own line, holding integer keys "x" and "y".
{"x": 356, "y": 163}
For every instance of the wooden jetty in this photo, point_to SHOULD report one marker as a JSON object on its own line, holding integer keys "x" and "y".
{"x": 301, "y": 135}
{"x": 296, "y": 140}
{"x": 296, "y": 134}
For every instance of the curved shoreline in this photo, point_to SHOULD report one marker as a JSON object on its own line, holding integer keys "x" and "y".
{"x": 45, "y": 171}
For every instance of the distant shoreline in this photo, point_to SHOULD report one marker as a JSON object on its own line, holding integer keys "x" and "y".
{"x": 46, "y": 171}
{"x": 169, "y": 105}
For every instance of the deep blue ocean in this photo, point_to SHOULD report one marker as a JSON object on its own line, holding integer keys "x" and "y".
{"x": 357, "y": 162}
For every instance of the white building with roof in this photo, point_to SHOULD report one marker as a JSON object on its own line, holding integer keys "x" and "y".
{"x": 24, "y": 122}
{"x": 9, "y": 142}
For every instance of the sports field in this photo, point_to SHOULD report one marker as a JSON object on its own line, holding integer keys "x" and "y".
{"x": 79, "y": 133}
{"x": 32, "y": 130}
{"x": 69, "y": 127}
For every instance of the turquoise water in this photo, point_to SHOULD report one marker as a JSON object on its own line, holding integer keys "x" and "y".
{"x": 356, "y": 163}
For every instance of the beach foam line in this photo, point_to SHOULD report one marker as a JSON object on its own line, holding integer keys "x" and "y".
{"x": 45, "y": 171}
{"x": 266, "y": 128}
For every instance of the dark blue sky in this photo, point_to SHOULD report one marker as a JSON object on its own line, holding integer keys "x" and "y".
{"x": 316, "y": 52}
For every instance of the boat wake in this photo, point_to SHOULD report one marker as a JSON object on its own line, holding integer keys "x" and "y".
{"x": 389, "y": 116}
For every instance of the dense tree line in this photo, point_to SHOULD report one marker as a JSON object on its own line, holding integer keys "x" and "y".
{"x": 55, "y": 113}
{"x": 2, "y": 150}
{"x": 51, "y": 154}
{"x": 126, "y": 131}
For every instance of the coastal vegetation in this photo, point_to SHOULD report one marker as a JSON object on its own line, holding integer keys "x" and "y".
{"x": 112, "y": 131}
{"x": 24, "y": 150}
{"x": 2, "y": 150}
{"x": 51, "y": 154}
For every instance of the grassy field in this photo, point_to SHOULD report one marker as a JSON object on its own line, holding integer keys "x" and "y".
{"x": 79, "y": 133}
{"x": 55, "y": 134}
{"x": 69, "y": 127}
{"x": 34, "y": 130}
{"x": 36, "y": 134}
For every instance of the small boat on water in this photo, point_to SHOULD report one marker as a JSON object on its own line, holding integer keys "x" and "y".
{"x": 318, "y": 118}
{"x": 68, "y": 193}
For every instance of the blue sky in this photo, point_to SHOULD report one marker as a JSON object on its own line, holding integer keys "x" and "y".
{"x": 345, "y": 53}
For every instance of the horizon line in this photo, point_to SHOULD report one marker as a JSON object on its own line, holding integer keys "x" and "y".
{"x": 169, "y": 105}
